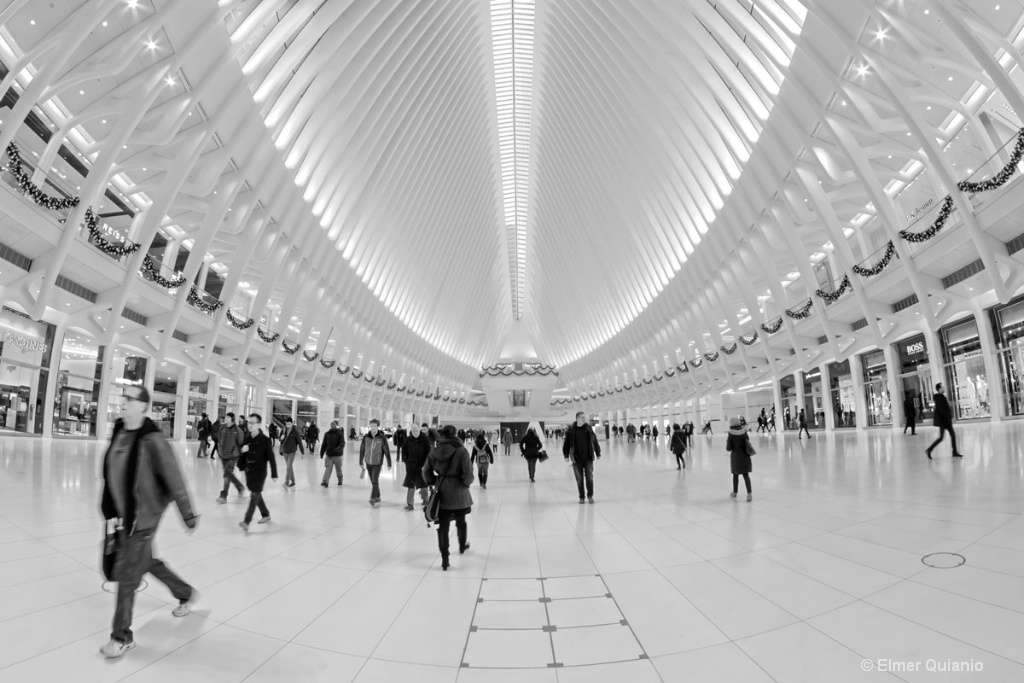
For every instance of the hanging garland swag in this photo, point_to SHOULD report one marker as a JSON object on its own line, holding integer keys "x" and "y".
{"x": 101, "y": 242}
{"x": 890, "y": 252}
{"x": 193, "y": 298}
{"x": 835, "y": 294}
{"x": 238, "y": 323}
{"x": 150, "y": 267}
{"x": 308, "y": 358}
{"x": 31, "y": 189}
{"x": 290, "y": 350}
{"x": 265, "y": 337}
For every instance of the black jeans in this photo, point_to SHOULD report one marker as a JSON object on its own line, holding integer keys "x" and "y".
{"x": 374, "y": 472}
{"x": 912, "y": 426}
{"x": 230, "y": 478}
{"x": 681, "y": 459}
{"x": 531, "y": 467}
{"x": 134, "y": 560}
{"x": 256, "y": 501}
{"x": 481, "y": 469}
{"x": 736, "y": 482}
{"x": 444, "y": 525}
{"x": 803, "y": 428}
{"x": 584, "y": 473}
{"x": 942, "y": 433}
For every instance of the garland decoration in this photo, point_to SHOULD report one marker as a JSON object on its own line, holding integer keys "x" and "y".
{"x": 836, "y": 293}
{"x": 238, "y": 323}
{"x": 327, "y": 364}
{"x": 101, "y": 242}
{"x": 343, "y": 371}
{"x": 1005, "y": 173}
{"x": 308, "y": 358}
{"x": 729, "y": 351}
{"x": 150, "y": 268}
{"x": 802, "y": 312}
{"x": 193, "y": 298}
{"x": 518, "y": 369}
{"x": 31, "y": 189}
{"x": 696, "y": 363}
{"x": 356, "y": 374}
{"x": 683, "y": 368}
{"x": 945, "y": 212}
{"x": 890, "y": 251}
{"x": 713, "y": 356}
{"x": 266, "y": 337}
{"x": 773, "y": 327}
{"x": 290, "y": 350}
{"x": 752, "y": 339}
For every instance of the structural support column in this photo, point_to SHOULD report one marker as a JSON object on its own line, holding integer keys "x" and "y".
{"x": 892, "y": 371}
{"x": 993, "y": 380}
{"x": 180, "y": 404}
{"x": 860, "y": 401}
{"x": 826, "y": 398}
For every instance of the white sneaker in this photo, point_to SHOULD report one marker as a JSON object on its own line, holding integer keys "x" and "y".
{"x": 244, "y": 526}
{"x": 185, "y": 607}
{"x": 264, "y": 520}
{"x": 115, "y": 648}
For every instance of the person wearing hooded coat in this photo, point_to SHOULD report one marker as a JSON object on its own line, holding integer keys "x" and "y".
{"x": 530, "y": 448}
{"x": 739, "y": 456}
{"x": 448, "y": 468}
{"x": 415, "y": 449}
{"x": 678, "y": 446}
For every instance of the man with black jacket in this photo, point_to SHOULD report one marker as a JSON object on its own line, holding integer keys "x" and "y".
{"x": 333, "y": 448}
{"x": 944, "y": 421}
{"x": 291, "y": 441}
{"x": 910, "y": 411}
{"x": 581, "y": 448}
{"x": 141, "y": 477}
{"x": 257, "y": 453}
{"x": 229, "y": 443}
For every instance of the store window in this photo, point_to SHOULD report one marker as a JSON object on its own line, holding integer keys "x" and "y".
{"x": 841, "y": 389}
{"x": 1008, "y": 325}
{"x": 916, "y": 380}
{"x": 306, "y": 413}
{"x": 280, "y": 408}
{"x": 876, "y": 389}
{"x": 198, "y": 403}
{"x": 79, "y": 376}
{"x": 966, "y": 382}
{"x": 129, "y": 370}
{"x": 790, "y": 407}
{"x": 165, "y": 397}
{"x": 25, "y": 348}
{"x": 814, "y": 400}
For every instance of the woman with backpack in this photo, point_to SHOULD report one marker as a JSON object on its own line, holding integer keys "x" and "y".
{"x": 483, "y": 456}
{"x": 530, "y": 448}
{"x": 448, "y": 468}
{"x": 740, "y": 450}
{"x": 678, "y": 445}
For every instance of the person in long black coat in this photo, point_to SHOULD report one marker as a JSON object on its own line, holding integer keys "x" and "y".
{"x": 944, "y": 421}
{"x": 449, "y": 468}
{"x": 257, "y": 453}
{"x": 415, "y": 449}
{"x": 910, "y": 410}
{"x": 530, "y": 448}
{"x": 739, "y": 457}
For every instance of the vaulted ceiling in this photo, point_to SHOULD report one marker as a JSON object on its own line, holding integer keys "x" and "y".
{"x": 400, "y": 185}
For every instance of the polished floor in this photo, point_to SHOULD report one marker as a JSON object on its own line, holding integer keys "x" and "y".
{"x": 665, "y": 578}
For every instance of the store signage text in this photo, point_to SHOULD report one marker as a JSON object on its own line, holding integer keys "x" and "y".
{"x": 23, "y": 343}
{"x": 919, "y": 210}
{"x": 911, "y": 349}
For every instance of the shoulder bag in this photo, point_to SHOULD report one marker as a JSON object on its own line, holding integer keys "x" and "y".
{"x": 750, "y": 447}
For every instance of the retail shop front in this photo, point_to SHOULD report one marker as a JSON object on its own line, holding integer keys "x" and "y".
{"x": 79, "y": 378}
{"x": 790, "y": 404}
{"x": 844, "y": 409}
{"x": 814, "y": 400}
{"x": 964, "y": 370}
{"x": 876, "y": 389}
{"x": 25, "y": 349}
{"x": 129, "y": 369}
{"x": 1008, "y": 325}
{"x": 916, "y": 379}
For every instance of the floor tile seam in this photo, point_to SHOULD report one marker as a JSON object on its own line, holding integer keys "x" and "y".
{"x": 996, "y": 529}
{"x": 271, "y": 593}
{"x": 866, "y": 566}
{"x": 49, "y": 576}
{"x": 795, "y": 571}
{"x": 947, "y": 591}
{"x": 33, "y": 557}
{"x": 786, "y": 540}
{"x": 928, "y": 627}
{"x": 953, "y": 521}
{"x": 710, "y": 646}
{"x": 204, "y": 633}
{"x": 927, "y": 537}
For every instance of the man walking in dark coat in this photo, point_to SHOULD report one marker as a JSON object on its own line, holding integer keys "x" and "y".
{"x": 944, "y": 421}
{"x": 230, "y": 439}
{"x": 141, "y": 477}
{"x": 257, "y": 454}
{"x": 582, "y": 448}
{"x": 910, "y": 410}
{"x": 333, "y": 449}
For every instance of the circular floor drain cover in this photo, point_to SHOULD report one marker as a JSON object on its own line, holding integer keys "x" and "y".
{"x": 944, "y": 560}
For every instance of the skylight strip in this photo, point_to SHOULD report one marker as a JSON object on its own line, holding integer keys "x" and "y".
{"x": 512, "y": 36}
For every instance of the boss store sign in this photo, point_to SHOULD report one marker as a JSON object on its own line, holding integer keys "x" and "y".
{"x": 912, "y": 352}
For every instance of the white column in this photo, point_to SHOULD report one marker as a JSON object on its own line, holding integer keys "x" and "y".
{"x": 106, "y": 378}
{"x": 860, "y": 402}
{"x": 892, "y": 370}
{"x": 213, "y": 396}
{"x": 996, "y": 402}
{"x": 181, "y": 404}
{"x": 51, "y": 384}
{"x": 826, "y": 398}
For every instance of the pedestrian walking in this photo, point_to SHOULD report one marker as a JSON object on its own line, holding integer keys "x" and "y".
{"x": 257, "y": 454}
{"x": 215, "y": 436}
{"x": 530, "y": 448}
{"x": 449, "y": 469}
{"x": 415, "y": 450}
{"x": 582, "y": 448}
{"x": 372, "y": 453}
{"x": 203, "y": 427}
{"x": 739, "y": 447}
{"x": 910, "y": 410}
{"x": 678, "y": 445}
{"x": 506, "y": 440}
{"x": 483, "y": 456}
{"x": 944, "y": 421}
{"x": 312, "y": 436}
{"x": 141, "y": 477}
{"x": 291, "y": 443}
{"x": 229, "y": 442}
{"x": 398, "y": 439}
{"x": 802, "y": 420}
{"x": 332, "y": 451}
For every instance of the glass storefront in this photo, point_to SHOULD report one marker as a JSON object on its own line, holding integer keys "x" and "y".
{"x": 198, "y": 403}
{"x": 165, "y": 397}
{"x": 876, "y": 388}
{"x": 814, "y": 400}
{"x": 841, "y": 387}
{"x": 790, "y": 406}
{"x": 916, "y": 380}
{"x": 129, "y": 369}
{"x": 77, "y": 395}
{"x": 306, "y": 412}
{"x": 280, "y": 408}
{"x": 964, "y": 368}
{"x": 25, "y": 349}
{"x": 1008, "y": 325}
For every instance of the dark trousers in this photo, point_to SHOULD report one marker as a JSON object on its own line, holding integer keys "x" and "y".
{"x": 508, "y": 449}
{"x": 942, "y": 433}
{"x": 444, "y": 525}
{"x": 531, "y": 467}
{"x": 803, "y": 428}
{"x": 374, "y": 471}
{"x": 256, "y": 501}
{"x": 134, "y": 560}
{"x": 481, "y": 470}
{"x": 681, "y": 459}
{"x": 736, "y": 482}
{"x": 584, "y": 472}
{"x": 332, "y": 462}
{"x": 229, "y": 477}
{"x": 912, "y": 426}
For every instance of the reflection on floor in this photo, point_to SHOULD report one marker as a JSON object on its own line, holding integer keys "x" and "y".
{"x": 664, "y": 578}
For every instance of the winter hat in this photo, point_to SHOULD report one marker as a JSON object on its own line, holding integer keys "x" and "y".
{"x": 734, "y": 422}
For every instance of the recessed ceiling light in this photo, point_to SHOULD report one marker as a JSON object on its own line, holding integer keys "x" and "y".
{"x": 81, "y": 92}
{"x": 104, "y": 24}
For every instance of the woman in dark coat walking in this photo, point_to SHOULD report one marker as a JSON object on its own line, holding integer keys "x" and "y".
{"x": 530, "y": 448}
{"x": 449, "y": 468}
{"x": 739, "y": 456}
{"x": 678, "y": 445}
{"x": 415, "y": 449}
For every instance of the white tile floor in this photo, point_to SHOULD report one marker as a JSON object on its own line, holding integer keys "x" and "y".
{"x": 664, "y": 578}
